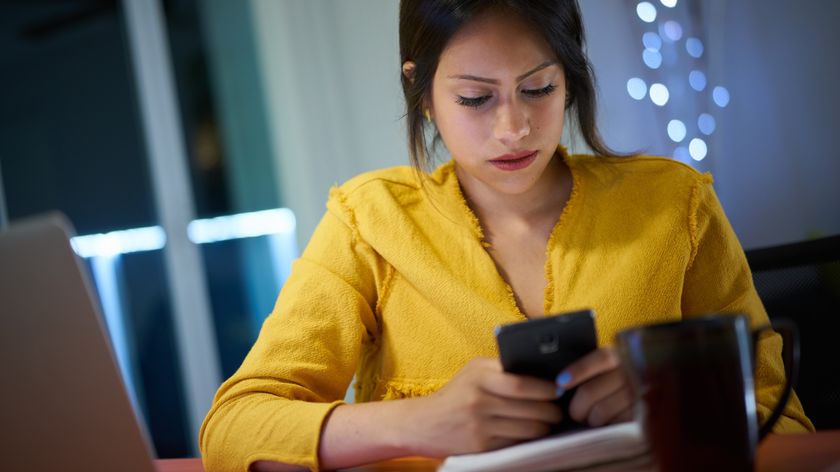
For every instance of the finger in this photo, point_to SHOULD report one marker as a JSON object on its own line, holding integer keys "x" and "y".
{"x": 498, "y": 443}
{"x": 518, "y": 429}
{"x": 626, "y": 415}
{"x": 547, "y": 412}
{"x": 591, "y": 365}
{"x": 520, "y": 387}
{"x": 593, "y": 392}
{"x": 611, "y": 409}
{"x": 597, "y": 388}
{"x": 600, "y": 407}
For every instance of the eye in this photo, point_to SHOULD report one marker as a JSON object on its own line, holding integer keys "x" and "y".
{"x": 536, "y": 93}
{"x": 472, "y": 102}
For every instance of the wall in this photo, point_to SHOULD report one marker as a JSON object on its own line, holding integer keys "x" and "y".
{"x": 779, "y": 175}
{"x": 331, "y": 72}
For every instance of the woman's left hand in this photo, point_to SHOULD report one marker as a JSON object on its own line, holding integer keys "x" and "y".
{"x": 603, "y": 395}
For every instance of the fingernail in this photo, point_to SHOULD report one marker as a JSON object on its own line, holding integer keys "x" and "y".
{"x": 559, "y": 391}
{"x": 563, "y": 379}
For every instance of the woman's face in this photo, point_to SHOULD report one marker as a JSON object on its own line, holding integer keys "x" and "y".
{"x": 498, "y": 101}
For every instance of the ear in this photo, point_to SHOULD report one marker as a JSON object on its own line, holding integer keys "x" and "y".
{"x": 408, "y": 70}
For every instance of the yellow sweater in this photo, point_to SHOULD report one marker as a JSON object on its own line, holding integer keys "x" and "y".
{"x": 396, "y": 287}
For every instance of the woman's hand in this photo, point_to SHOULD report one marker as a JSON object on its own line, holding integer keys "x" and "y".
{"x": 480, "y": 409}
{"x": 603, "y": 395}
{"x": 483, "y": 408}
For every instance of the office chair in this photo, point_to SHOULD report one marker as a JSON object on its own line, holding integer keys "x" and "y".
{"x": 801, "y": 282}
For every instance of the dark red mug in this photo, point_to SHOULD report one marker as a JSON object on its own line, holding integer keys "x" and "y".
{"x": 694, "y": 389}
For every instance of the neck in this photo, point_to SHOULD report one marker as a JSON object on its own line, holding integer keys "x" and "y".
{"x": 544, "y": 201}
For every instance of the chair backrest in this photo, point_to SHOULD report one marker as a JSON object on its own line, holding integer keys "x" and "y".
{"x": 801, "y": 282}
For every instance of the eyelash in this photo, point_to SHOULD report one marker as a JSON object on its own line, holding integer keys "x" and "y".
{"x": 475, "y": 102}
{"x": 547, "y": 90}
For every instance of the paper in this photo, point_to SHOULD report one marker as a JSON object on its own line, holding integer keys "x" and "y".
{"x": 562, "y": 452}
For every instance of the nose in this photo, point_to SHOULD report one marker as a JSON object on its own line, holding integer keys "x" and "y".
{"x": 511, "y": 124}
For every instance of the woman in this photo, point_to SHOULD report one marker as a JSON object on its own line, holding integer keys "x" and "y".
{"x": 409, "y": 272}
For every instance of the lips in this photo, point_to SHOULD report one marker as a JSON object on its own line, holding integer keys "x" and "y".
{"x": 514, "y": 161}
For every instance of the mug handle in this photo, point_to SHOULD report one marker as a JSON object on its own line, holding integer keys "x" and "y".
{"x": 790, "y": 356}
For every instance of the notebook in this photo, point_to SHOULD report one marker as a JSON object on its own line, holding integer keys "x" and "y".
{"x": 616, "y": 447}
{"x": 63, "y": 404}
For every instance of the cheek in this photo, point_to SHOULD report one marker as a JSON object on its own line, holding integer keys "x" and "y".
{"x": 460, "y": 125}
{"x": 549, "y": 118}
{"x": 470, "y": 124}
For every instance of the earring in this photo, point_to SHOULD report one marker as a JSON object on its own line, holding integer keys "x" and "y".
{"x": 428, "y": 115}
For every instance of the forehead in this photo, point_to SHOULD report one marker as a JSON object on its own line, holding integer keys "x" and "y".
{"x": 495, "y": 41}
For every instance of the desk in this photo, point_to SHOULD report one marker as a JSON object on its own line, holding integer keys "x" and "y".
{"x": 778, "y": 453}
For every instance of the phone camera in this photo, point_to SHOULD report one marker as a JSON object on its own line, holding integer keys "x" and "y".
{"x": 549, "y": 343}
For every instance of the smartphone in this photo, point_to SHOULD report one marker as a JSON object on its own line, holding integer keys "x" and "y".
{"x": 543, "y": 347}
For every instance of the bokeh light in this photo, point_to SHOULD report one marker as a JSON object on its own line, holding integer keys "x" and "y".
{"x": 706, "y": 123}
{"x": 659, "y": 94}
{"x": 697, "y": 149}
{"x": 637, "y": 88}
{"x": 652, "y": 40}
{"x": 676, "y": 130}
{"x": 673, "y": 30}
{"x": 694, "y": 47}
{"x": 663, "y": 35}
{"x": 646, "y": 12}
{"x": 697, "y": 80}
{"x": 720, "y": 96}
{"x": 652, "y": 58}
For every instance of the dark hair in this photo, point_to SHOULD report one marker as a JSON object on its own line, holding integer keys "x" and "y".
{"x": 426, "y": 26}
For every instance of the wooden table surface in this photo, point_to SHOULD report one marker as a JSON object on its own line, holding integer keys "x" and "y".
{"x": 818, "y": 452}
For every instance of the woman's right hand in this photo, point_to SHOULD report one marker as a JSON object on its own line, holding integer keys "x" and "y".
{"x": 483, "y": 408}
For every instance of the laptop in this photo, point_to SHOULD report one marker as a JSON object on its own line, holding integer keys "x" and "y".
{"x": 63, "y": 403}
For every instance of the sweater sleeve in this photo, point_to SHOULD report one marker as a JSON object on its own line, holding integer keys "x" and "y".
{"x": 718, "y": 279}
{"x": 274, "y": 406}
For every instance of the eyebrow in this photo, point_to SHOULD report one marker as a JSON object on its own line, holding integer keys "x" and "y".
{"x": 495, "y": 82}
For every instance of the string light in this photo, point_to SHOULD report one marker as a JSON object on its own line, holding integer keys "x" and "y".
{"x": 637, "y": 88}
{"x": 659, "y": 94}
{"x": 652, "y": 58}
{"x": 720, "y": 96}
{"x": 694, "y": 47}
{"x": 673, "y": 30}
{"x": 697, "y": 148}
{"x": 646, "y": 12}
{"x": 662, "y": 51}
{"x": 706, "y": 123}
{"x": 676, "y": 130}
{"x": 652, "y": 40}
{"x": 697, "y": 80}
